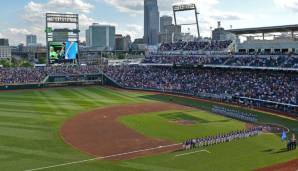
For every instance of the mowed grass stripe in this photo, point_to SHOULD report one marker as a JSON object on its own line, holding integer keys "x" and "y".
{"x": 25, "y": 126}
{"x": 82, "y": 102}
{"x": 102, "y": 93}
{"x": 69, "y": 98}
{"x": 88, "y": 103}
{"x": 55, "y": 105}
{"x": 23, "y": 133}
{"x": 117, "y": 95}
{"x": 38, "y": 103}
{"x": 38, "y": 120}
{"x": 49, "y": 107}
{"x": 32, "y": 152}
{"x": 94, "y": 98}
{"x": 27, "y": 115}
{"x": 36, "y": 110}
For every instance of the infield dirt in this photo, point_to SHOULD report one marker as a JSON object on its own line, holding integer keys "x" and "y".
{"x": 98, "y": 132}
{"x": 288, "y": 166}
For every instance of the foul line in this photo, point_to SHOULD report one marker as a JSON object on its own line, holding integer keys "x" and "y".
{"x": 104, "y": 157}
{"x": 193, "y": 153}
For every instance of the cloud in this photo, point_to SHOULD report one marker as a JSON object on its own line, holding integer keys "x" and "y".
{"x": 34, "y": 16}
{"x": 77, "y": 5}
{"x": 130, "y": 6}
{"x": 137, "y": 6}
{"x": 134, "y": 30}
{"x": 60, "y": 5}
{"x": 219, "y": 15}
{"x": 208, "y": 17}
{"x": 18, "y": 31}
{"x": 15, "y": 35}
{"x": 287, "y": 4}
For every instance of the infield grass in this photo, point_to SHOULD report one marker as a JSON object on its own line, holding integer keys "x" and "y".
{"x": 163, "y": 124}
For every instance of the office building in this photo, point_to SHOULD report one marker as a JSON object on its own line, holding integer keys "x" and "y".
{"x": 164, "y": 22}
{"x": 122, "y": 42}
{"x": 5, "y": 52}
{"x": 172, "y": 33}
{"x": 101, "y": 37}
{"x": 4, "y": 42}
{"x": 31, "y": 40}
{"x": 87, "y": 37}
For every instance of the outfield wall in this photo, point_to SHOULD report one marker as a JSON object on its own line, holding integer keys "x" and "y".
{"x": 48, "y": 85}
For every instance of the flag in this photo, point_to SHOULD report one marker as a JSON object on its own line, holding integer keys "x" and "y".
{"x": 284, "y": 136}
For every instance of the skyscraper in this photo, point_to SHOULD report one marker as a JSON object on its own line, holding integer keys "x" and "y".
{"x": 151, "y": 22}
{"x": 165, "y": 21}
{"x": 4, "y": 42}
{"x": 31, "y": 40}
{"x": 5, "y": 50}
{"x": 101, "y": 36}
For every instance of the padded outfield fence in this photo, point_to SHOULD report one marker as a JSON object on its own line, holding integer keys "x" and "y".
{"x": 59, "y": 81}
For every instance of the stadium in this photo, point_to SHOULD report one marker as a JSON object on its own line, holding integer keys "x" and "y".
{"x": 219, "y": 105}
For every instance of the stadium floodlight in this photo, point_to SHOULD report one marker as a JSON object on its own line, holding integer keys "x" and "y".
{"x": 187, "y": 7}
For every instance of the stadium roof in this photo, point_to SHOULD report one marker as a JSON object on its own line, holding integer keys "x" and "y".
{"x": 271, "y": 29}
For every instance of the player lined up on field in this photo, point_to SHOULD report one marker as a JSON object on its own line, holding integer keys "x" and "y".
{"x": 235, "y": 114}
{"x": 221, "y": 138}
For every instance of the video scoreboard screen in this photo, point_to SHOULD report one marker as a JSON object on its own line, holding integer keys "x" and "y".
{"x": 60, "y": 52}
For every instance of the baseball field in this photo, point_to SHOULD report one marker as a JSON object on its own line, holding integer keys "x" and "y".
{"x": 104, "y": 129}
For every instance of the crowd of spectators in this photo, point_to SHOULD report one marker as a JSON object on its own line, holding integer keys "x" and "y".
{"x": 21, "y": 75}
{"x": 282, "y": 61}
{"x": 269, "y": 86}
{"x": 195, "y": 46}
{"x": 183, "y": 59}
{"x": 37, "y": 75}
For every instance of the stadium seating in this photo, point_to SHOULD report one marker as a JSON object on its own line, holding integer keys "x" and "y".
{"x": 277, "y": 61}
{"x": 195, "y": 46}
{"x": 279, "y": 87}
{"x": 36, "y": 75}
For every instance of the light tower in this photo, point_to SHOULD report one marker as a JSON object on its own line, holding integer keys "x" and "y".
{"x": 187, "y": 7}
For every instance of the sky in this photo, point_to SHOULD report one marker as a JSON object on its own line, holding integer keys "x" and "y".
{"x": 21, "y": 17}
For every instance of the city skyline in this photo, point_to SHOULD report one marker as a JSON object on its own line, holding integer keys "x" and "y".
{"x": 27, "y": 17}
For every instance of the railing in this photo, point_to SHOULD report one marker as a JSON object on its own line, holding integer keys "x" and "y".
{"x": 251, "y": 67}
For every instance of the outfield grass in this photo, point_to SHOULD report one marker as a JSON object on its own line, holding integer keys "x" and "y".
{"x": 30, "y": 122}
